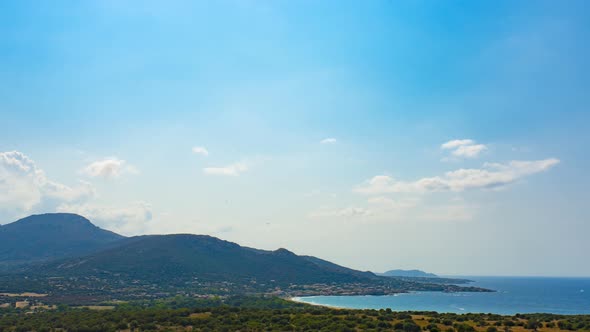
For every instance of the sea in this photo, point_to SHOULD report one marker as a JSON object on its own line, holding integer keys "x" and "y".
{"x": 513, "y": 295}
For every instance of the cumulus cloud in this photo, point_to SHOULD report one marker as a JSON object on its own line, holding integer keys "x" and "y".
{"x": 25, "y": 189}
{"x": 329, "y": 140}
{"x": 200, "y": 151}
{"x": 230, "y": 170}
{"x": 491, "y": 175}
{"x": 464, "y": 148}
{"x": 108, "y": 168}
{"x": 129, "y": 220}
{"x": 24, "y": 186}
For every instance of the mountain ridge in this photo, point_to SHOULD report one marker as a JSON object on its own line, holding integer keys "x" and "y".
{"x": 45, "y": 237}
{"x": 110, "y": 266}
{"x": 185, "y": 256}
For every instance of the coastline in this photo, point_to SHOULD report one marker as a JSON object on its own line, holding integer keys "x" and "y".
{"x": 561, "y": 296}
{"x": 298, "y": 299}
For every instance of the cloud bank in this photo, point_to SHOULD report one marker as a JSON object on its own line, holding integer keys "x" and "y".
{"x": 491, "y": 175}
{"x": 25, "y": 189}
{"x": 24, "y": 186}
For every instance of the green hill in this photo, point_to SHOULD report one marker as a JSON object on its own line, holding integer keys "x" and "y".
{"x": 46, "y": 237}
{"x": 66, "y": 256}
{"x": 172, "y": 258}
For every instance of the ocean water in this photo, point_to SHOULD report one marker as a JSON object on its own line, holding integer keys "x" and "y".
{"x": 514, "y": 295}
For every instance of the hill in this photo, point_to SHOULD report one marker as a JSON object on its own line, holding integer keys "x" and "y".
{"x": 408, "y": 273}
{"x": 337, "y": 268}
{"x": 76, "y": 262}
{"x": 46, "y": 237}
{"x": 182, "y": 257}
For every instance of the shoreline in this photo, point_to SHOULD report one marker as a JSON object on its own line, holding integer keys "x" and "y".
{"x": 298, "y": 299}
{"x": 462, "y": 310}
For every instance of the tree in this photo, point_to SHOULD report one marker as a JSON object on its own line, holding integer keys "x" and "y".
{"x": 533, "y": 324}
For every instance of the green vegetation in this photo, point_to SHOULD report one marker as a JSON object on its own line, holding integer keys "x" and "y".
{"x": 103, "y": 286}
{"x": 271, "y": 314}
{"x": 45, "y": 237}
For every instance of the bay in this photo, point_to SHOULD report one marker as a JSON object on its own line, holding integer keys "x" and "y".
{"x": 513, "y": 295}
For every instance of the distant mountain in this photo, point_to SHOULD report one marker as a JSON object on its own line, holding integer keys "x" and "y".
{"x": 179, "y": 257}
{"x": 408, "y": 273}
{"x": 45, "y": 237}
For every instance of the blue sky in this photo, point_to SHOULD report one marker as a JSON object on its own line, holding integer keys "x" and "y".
{"x": 448, "y": 136}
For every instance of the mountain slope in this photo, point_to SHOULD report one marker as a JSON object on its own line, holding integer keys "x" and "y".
{"x": 185, "y": 257}
{"x": 338, "y": 268}
{"x": 51, "y": 236}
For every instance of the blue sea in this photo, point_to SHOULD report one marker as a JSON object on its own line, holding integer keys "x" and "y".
{"x": 513, "y": 295}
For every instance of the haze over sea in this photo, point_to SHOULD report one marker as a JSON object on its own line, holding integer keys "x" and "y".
{"x": 513, "y": 295}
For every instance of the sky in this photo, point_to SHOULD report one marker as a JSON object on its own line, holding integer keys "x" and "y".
{"x": 450, "y": 136}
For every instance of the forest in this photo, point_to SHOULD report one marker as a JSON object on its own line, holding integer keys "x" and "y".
{"x": 268, "y": 314}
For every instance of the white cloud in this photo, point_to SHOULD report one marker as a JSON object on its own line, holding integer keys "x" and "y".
{"x": 464, "y": 148}
{"x": 329, "y": 140}
{"x": 25, "y": 189}
{"x": 491, "y": 175}
{"x": 469, "y": 151}
{"x": 348, "y": 212}
{"x": 457, "y": 143}
{"x": 200, "y": 151}
{"x": 24, "y": 186}
{"x": 128, "y": 220}
{"x": 108, "y": 168}
{"x": 230, "y": 170}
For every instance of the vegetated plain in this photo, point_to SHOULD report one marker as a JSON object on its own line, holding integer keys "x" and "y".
{"x": 271, "y": 314}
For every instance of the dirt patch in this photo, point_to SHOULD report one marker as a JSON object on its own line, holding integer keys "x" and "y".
{"x": 200, "y": 315}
